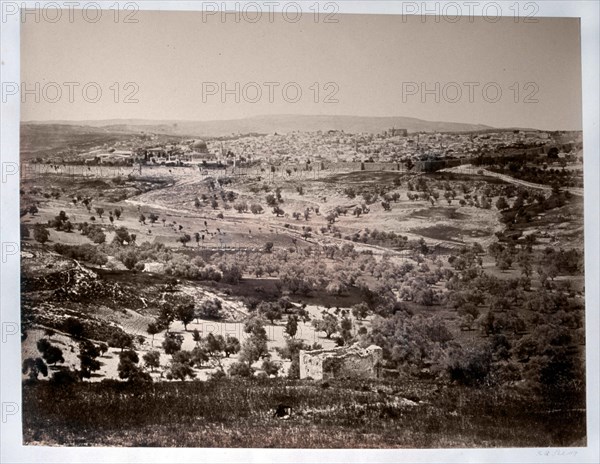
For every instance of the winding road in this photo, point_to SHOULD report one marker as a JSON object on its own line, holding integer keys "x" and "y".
{"x": 470, "y": 169}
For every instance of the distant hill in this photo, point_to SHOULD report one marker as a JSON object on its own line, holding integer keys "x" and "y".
{"x": 44, "y": 139}
{"x": 272, "y": 123}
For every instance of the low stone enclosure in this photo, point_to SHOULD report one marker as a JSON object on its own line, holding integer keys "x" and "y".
{"x": 343, "y": 362}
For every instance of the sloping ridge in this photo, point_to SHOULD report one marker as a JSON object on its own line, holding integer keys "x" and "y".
{"x": 267, "y": 124}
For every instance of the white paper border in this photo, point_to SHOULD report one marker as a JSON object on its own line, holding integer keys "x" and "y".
{"x": 11, "y": 435}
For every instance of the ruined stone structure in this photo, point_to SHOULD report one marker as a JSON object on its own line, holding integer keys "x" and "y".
{"x": 343, "y": 362}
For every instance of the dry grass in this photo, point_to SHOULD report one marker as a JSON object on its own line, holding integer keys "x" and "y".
{"x": 356, "y": 414}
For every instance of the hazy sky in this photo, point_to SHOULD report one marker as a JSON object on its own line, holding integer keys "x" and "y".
{"x": 379, "y": 66}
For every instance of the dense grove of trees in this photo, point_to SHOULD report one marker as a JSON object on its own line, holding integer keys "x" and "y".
{"x": 534, "y": 337}
{"x": 87, "y": 253}
{"x": 541, "y": 174}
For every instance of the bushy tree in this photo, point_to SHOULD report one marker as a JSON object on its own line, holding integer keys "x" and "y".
{"x": 346, "y": 329}
{"x": 214, "y": 345}
{"x": 185, "y": 313}
{"x": 291, "y": 327}
{"x": 166, "y": 316}
{"x": 232, "y": 273}
{"x": 255, "y": 346}
{"x": 153, "y": 329}
{"x": 129, "y": 258}
{"x": 470, "y": 366}
{"x": 329, "y": 324}
{"x": 51, "y": 354}
{"x": 96, "y": 235}
{"x": 122, "y": 236}
{"x": 35, "y": 367}
{"x": 211, "y": 309}
{"x": 255, "y": 324}
{"x": 127, "y": 367}
{"x": 502, "y": 204}
{"x": 232, "y": 346}
{"x": 271, "y": 200}
{"x": 152, "y": 360}
{"x": 88, "y": 352}
{"x": 64, "y": 377}
{"x": 40, "y": 234}
{"x": 184, "y": 239}
{"x": 181, "y": 366}
{"x": 196, "y": 337}
{"x": 172, "y": 343}
{"x": 199, "y": 356}
{"x": 360, "y": 311}
{"x": 74, "y": 327}
{"x": 270, "y": 367}
{"x": 270, "y": 311}
{"x": 240, "y": 369}
{"x": 121, "y": 340}
{"x": 241, "y": 207}
{"x": 411, "y": 341}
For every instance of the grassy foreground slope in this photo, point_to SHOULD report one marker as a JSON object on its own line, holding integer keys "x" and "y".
{"x": 405, "y": 413}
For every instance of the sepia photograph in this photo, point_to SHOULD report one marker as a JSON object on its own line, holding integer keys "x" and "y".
{"x": 301, "y": 225}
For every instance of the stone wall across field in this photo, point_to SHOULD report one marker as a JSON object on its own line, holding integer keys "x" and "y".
{"x": 344, "y": 362}
{"x": 31, "y": 171}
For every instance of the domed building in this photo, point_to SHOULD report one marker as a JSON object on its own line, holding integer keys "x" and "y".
{"x": 199, "y": 146}
{"x": 195, "y": 152}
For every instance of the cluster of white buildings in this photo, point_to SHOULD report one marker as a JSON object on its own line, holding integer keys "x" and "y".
{"x": 394, "y": 145}
{"x": 187, "y": 152}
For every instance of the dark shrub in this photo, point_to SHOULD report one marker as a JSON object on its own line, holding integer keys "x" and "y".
{"x": 471, "y": 367}
{"x": 239, "y": 369}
